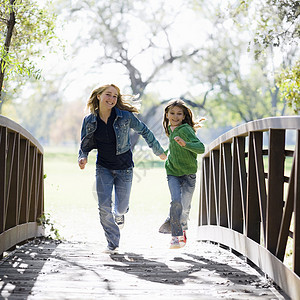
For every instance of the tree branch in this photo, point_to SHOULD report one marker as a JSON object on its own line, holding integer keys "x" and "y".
{"x": 10, "y": 27}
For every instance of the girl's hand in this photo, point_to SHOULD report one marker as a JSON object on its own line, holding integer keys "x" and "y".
{"x": 82, "y": 162}
{"x": 163, "y": 156}
{"x": 180, "y": 141}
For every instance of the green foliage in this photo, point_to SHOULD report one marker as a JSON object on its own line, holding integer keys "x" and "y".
{"x": 289, "y": 82}
{"x": 33, "y": 30}
{"x": 45, "y": 221}
{"x": 275, "y": 22}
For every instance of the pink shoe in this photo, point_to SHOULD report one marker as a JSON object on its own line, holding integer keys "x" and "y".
{"x": 184, "y": 236}
{"x": 177, "y": 242}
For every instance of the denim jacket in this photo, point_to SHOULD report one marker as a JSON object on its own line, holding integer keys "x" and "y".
{"x": 122, "y": 124}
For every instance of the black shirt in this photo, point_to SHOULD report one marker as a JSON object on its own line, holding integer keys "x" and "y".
{"x": 105, "y": 138}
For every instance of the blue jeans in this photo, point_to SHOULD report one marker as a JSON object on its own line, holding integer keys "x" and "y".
{"x": 181, "y": 189}
{"x": 121, "y": 180}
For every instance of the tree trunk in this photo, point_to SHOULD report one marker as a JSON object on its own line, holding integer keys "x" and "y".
{"x": 10, "y": 27}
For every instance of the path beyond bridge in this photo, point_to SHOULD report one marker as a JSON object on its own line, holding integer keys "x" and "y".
{"x": 43, "y": 269}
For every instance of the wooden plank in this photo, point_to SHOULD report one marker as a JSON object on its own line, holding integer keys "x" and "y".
{"x": 261, "y": 184}
{"x": 275, "y": 187}
{"x": 40, "y": 186}
{"x": 47, "y": 270}
{"x": 242, "y": 177}
{"x": 12, "y": 168}
{"x": 3, "y": 146}
{"x": 297, "y": 208}
{"x": 18, "y": 234}
{"x": 287, "y": 215}
{"x": 204, "y": 193}
{"x": 222, "y": 211}
{"x": 252, "y": 207}
{"x": 228, "y": 174}
{"x": 214, "y": 192}
{"x": 24, "y": 167}
{"x": 236, "y": 191}
{"x": 32, "y": 184}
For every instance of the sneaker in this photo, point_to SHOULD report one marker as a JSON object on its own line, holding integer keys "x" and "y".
{"x": 109, "y": 250}
{"x": 120, "y": 221}
{"x": 165, "y": 227}
{"x": 177, "y": 242}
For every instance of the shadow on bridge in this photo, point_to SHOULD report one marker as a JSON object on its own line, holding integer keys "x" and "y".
{"x": 155, "y": 271}
{"x": 20, "y": 270}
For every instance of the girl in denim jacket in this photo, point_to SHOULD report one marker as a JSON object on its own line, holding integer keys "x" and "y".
{"x": 107, "y": 129}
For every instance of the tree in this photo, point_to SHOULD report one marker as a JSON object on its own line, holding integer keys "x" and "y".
{"x": 277, "y": 25}
{"x": 24, "y": 27}
{"x": 276, "y": 22}
{"x": 135, "y": 35}
{"x": 237, "y": 89}
{"x": 289, "y": 82}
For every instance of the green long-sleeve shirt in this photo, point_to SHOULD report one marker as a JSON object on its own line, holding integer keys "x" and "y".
{"x": 183, "y": 160}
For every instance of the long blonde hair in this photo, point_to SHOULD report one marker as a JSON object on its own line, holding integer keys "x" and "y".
{"x": 93, "y": 102}
{"x": 188, "y": 115}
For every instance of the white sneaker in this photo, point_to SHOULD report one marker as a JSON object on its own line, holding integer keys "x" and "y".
{"x": 111, "y": 251}
{"x": 120, "y": 221}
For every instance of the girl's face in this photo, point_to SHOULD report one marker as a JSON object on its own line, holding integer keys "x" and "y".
{"x": 175, "y": 116}
{"x": 108, "y": 99}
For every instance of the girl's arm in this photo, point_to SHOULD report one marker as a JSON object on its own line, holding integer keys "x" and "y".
{"x": 82, "y": 156}
{"x": 189, "y": 141}
{"x": 141, "y": 128}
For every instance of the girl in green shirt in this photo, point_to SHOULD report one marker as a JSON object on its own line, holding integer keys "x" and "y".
{"x": 181, "y": 167}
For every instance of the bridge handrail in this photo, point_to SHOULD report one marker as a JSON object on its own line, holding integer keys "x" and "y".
{"x": 21, "y": 185}
{"x": 247, "y": 201}
{"x": 290, "y": 123}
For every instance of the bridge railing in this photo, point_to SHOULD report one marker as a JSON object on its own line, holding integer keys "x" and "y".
{"x": 250, "y": 196}
{"x": 21, "y": 185}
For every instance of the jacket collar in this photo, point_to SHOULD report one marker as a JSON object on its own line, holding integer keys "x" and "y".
{"x": 119, "y": 113}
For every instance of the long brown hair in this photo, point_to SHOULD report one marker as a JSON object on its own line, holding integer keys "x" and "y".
{"x": 188, "y": 115}
{"x": 93, "y": 102}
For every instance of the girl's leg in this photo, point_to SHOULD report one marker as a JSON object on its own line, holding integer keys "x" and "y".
{"x": 187, "y": 191}
{"x": 176, "y": 206}
{"x": 123, "y": 182}
{"x": 104, "y": 186}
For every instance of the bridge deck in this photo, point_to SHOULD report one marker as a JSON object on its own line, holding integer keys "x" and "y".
{"x": 79, "y": 270}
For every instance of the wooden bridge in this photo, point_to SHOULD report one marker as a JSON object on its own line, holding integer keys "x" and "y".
{"x": 248, "y": 220}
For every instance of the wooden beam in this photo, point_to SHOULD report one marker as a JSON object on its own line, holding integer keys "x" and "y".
{"x": 275, "y": 187}
{"x": 253, "y": 220}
